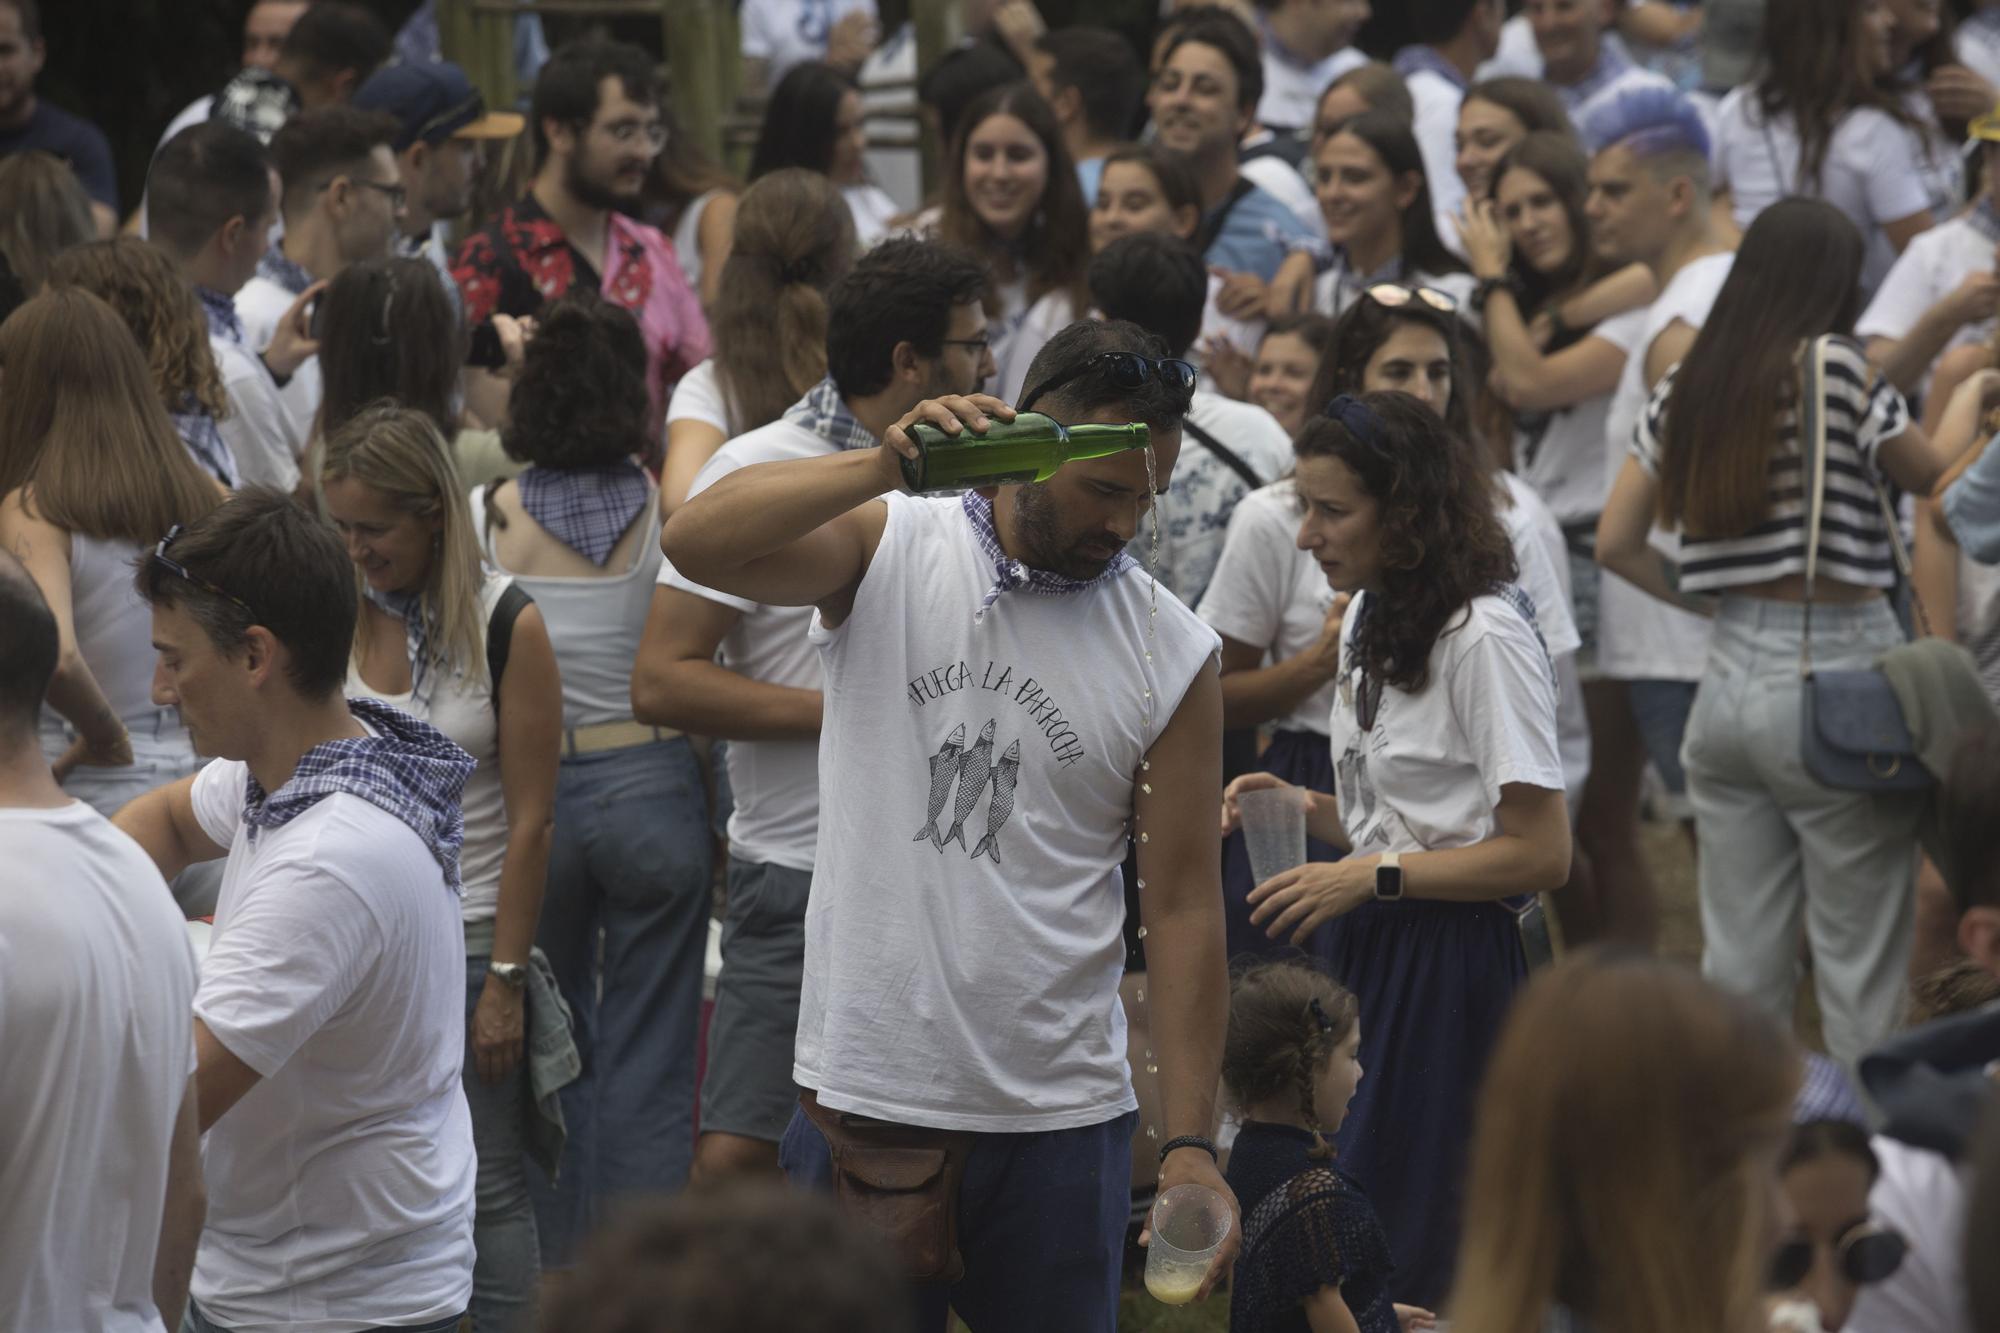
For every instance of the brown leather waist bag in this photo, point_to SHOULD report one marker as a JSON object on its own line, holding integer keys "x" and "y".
{"x": 902, "y": 1181}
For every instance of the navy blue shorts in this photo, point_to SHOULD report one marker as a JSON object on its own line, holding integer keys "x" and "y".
{"x": 1041, "y": 1225}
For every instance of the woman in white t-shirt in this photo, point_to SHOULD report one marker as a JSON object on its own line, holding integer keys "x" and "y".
{"x": 1819, "y": 123}
{"x": 816, "y": 120}
{"x": 794, "y": 240}
{"x": 1718, "y": 457}
{"x": 1529, "y": 245}
{"x": 1011, "y": 196}
{"x": 431, "y": 618}
{"x": 92, "y": 476}
{"x": 1377, "y": 207}
{"x": 1448, "y": 796}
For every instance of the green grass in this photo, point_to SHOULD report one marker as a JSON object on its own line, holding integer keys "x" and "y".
{"x": 1140, "y": 1313}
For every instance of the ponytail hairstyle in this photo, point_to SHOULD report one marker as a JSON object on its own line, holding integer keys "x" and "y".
{"x": 794, "y": 240}
{"x": 399, "y": 452}
{"x": 1285, "y": 1021}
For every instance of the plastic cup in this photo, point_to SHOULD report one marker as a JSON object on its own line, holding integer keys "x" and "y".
{"x": 1274, "y": 830}
{"x": 1190, "y": 1222}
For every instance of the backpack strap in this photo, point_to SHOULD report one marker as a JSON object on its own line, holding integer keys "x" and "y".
{"x": 1222, "y": 451}
{"x": 500, "y": 634}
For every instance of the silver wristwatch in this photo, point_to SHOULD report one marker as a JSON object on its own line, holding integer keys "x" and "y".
{"x": 511, "y": 974}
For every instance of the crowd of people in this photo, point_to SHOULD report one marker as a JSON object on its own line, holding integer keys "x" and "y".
{"x": 450, "y": 662}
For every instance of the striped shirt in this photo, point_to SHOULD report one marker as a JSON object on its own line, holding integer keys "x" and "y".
{"x": 1862, "y": 410}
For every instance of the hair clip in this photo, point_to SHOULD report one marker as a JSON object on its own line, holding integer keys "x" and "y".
{"x": 1357, "y": 416}
{"x": 1319, "y": 1016}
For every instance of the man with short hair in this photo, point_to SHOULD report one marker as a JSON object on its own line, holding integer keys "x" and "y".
{"x": 329, "y": 51}
{"x": 596, "y": 126}
{"x": 341, "y": 200}
{"x": 1001, "y": 681}
{"x": 906, "y": 324}
{"x": 1204, "y": 100}
{"x": 1091, "y": 78}
{"x": 1453, "y": 38}
{"x": 265, "y": 28}
{"x": 100, "y": 1164}
{"x": 330, "y": 1021}
{"x": 443, "y": 126}
{"x": 211, "y": 202}
{"x": 30, "y": 122}
{"x": 1230, "y": 448}
{"x": 1307, "y": 45}
{"x": 1649, "y": 204}
{"x": 1578, "y": 62}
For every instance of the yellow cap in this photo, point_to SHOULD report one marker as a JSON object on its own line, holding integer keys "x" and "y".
{"x": 1986, "y": 127}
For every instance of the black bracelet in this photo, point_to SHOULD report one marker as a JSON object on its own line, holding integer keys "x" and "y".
{"x": 1207, "y": 1145}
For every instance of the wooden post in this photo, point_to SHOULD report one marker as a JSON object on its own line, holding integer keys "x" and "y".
{"x": 939, "y": 29}
{"x": 699, "y": 37}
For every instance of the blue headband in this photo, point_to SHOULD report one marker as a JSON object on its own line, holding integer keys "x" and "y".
{"x": 1357, "y": 416}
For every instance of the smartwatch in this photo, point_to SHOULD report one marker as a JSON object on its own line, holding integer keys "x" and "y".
{"x": 1389, "y": 878}
{"x": 515, "y": 975}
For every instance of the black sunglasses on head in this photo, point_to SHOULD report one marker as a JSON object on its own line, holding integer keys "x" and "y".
{"x": 1126, "y": 370}
{"x": 181, "y": 571}
{"x": 1866, "y": 1253}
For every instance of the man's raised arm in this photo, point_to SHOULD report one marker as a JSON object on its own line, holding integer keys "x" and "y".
{"x": 802, "y": 533}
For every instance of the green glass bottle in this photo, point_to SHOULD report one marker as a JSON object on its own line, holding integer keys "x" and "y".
{"x": 1029, "y": 448}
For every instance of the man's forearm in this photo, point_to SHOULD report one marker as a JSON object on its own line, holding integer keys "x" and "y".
{"x": 708, "y": 699}
{"x": 181, "y": 1221}
{"x": 756, "y": 511}
{"x": 149, "y": 821}
{"x": 1187, "y": 993}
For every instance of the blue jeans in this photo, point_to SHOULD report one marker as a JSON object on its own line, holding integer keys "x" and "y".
{"x": 194, "y": 1322}
{"x": 630, "y": 860}
{"x": 506, "y": 1270}
{"x": 1041, "y": 1226}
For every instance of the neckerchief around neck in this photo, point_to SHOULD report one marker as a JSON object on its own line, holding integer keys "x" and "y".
{"x": 204, "y": 441}
{"x": 223, "y": 321}
{"x": 1413, "y": 59}
{"x": 409, "y": 608}
{"x": 1011, "y": 574}
{"x": 408, "y": 768}
{"x": 276, "y": 266}
{"x": 586, "y": 508}
{"x": 824, "y": 412}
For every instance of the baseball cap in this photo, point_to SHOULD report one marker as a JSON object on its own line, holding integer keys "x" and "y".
{"x": 434, "y": 101}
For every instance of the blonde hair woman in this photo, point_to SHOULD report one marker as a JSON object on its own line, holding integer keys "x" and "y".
{"x": 1625, "y": 1165}
{"x": 446, "y": 640}
{"x": 92, "y": 476}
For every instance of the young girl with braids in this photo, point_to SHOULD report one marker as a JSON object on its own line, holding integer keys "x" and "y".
{"x": 1315, "y": 1257}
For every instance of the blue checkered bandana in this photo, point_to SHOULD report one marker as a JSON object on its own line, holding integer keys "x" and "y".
{"x": 586, "y": 508}
{"x": 823, "y": 412}
{"x": 223, "y": 321}
{"x": 1011, "y": 574}
{"x": 408, "y": 768}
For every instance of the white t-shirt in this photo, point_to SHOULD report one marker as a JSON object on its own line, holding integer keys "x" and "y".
{"x": 1640, "y": 637}
{"x": 1428, "y": 774}
{"x": 1561, "y": 453}
{"x": 1019, "y": 331}
{"x": 784, "y": 33}
{"x": 340, "y": 1186}
{"x": 1870, "y": 172}
{"x": 872, "y": 209}
{"x": 96, "y": 1044}
{"x": 1929, "y": 270}
{"x": 461, "y": 706}
{"x": 1194, "y": 513}
{"x": 260, "y": 305}
{"x": 699, "y": 397}
{"x": 967, "y": 977}
{"x": 259, "y": 430}
{"x": 1543, "y": 558}
{"x": 1269, "y": 594}
{"x": 1246, "y": 335}
{"x": 1518, "y": 56}
{"x": 1924, "y": 1196}
{"x": 1282, "y": 181}
{"x": 776, "y": 783}
{"x": 1977, "y": 42}
{"x": 687, "y": 240}
{"x": 1437, "y": 101}
{"x": 1292, "y": 90}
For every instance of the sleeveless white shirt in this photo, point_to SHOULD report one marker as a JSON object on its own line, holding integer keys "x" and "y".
{"x": 963, "y": 946}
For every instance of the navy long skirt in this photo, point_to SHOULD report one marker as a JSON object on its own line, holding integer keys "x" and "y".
{"x": 1305, "y": 759}
{"x": 1434, "y": 981}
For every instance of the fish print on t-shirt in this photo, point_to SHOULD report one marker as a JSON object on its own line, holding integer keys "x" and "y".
{"x": 1004, "y": 775}
{"x": 973, "y": 770}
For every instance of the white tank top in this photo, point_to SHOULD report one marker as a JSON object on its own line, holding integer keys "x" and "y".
{"x": 963, "y": 946}
{"x": 461, "y": 706}
{"x": 687, "y": 237}
{"x": 595, "y": 623}
{"x": 114, "y": 633}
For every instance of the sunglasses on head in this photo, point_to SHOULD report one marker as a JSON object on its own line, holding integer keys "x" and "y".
{"x": 1866, "y": 1253}
{"x": 181, "y": 571}
{"x": 1394, "y": 296}
{"x": 1125, "y": 370}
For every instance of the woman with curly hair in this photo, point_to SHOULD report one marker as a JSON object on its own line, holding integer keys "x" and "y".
{"x": 149, "y": 292}
{"x": 1818, "y": 122}
{"x": 625, "y": 913}
{"x": 1448, "y": 796}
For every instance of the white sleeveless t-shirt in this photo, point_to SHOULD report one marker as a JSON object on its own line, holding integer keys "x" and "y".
{"x": 963, "y": 946}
